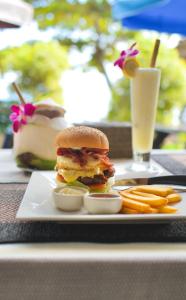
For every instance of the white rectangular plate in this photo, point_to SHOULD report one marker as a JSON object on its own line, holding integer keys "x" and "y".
{"x": 37, "y": 205}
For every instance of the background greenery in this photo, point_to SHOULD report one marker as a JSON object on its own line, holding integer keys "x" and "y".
{"x": 39, "y": 67}
{"x": 87, "y": 25}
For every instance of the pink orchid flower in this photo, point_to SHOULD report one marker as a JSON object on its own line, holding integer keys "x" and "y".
{"x": 20, "y": 113}
{"x": 131, "y": 52}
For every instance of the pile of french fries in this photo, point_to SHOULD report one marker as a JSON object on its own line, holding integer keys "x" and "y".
{"x": 146, "y": 199}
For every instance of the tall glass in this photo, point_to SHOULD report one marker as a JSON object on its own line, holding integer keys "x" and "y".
{"x": 144, "y": 97}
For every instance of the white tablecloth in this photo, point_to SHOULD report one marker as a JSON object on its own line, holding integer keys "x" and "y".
{"x": 9, "y": 172}
{"x": 93, "y": 272}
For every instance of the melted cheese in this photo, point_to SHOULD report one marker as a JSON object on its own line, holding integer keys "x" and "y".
{"x": 72, "y": 175}
{"x": 67, "y": 163}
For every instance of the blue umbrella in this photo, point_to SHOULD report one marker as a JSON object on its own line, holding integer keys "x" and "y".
{"x": 161, "y": 15}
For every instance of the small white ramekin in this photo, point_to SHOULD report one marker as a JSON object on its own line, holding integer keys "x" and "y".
{"x": 68, "y": 202}
{"x": 103, "y": 204}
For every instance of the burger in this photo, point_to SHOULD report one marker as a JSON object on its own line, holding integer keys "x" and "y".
{"x": 82, "y": 159}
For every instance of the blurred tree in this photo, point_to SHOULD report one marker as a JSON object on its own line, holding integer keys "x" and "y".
{"x": 88, "y": 24}
{"x": 4, "y": 115}
{"x": 82, "y": 24}
{"x": 38, "y": 67}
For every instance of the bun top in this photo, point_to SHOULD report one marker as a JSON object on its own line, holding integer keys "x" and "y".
{"x": 82, "y": 136}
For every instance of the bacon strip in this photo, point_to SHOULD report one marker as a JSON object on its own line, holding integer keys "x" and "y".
{"x": 81, "y": 156}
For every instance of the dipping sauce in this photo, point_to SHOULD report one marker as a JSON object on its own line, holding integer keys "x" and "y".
{"x": 72, "y": 191}
{"x": 102, "y": 203}
{"x": 104, "y": 195}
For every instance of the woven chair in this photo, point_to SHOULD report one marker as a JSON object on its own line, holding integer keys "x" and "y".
{"x": 119, "y": 135}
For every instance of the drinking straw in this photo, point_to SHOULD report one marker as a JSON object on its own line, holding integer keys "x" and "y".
{"x": 155, "y": 53}
{"x": 18, "y": 92}
{"x": 134, "y": 44}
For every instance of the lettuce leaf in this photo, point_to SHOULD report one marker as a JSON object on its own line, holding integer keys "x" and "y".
{"x": 104, "y": 189}
{"x": 77, "y": 183}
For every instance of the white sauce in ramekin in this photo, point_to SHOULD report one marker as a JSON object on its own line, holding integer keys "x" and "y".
{"x": 69, "y": 198}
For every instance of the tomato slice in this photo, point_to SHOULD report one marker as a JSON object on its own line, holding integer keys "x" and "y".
{"x": 97, "y": 186}
{"x": 60, "y": 178}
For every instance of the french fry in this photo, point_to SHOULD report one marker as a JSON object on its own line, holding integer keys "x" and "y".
{"x": 147, "y": 195}
{"x": 173, "y": 198}
{"x": 126, "y": 210}
{"x": 149, "y": 200}
{"x": 141, "y": 207}
{"x": 152, "y": 211}
{"x": 159, "y": 191}
{"x": 152, "y": 200}
{"x": 167, "y": 210}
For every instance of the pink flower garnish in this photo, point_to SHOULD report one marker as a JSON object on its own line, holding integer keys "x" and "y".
{"x": 20, "y": 113}
{"x": 131, "y": 52}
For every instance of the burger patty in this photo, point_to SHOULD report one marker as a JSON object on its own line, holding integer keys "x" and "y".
{"x": 97, "y": 179}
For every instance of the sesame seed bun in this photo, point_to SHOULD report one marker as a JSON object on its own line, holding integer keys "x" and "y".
{"x": 82, "y": 136}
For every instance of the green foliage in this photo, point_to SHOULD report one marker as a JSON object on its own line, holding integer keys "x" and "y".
{"x": 39, "y": 67}
{"x": 88, "y": 24}
{"x": 82, "y": 24}
{"x": 4, "y": 115}
{"x": 176, "y": 142}
{"x": 72, "y": 15}
{"x": 172, "y": 89}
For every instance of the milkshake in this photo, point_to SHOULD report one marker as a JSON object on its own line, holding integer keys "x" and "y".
{"x": 144, "y": 98}
{"x": 144, "y": 90}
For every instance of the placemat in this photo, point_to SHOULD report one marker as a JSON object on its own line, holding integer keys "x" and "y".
{"x": 14, "y": 231}
{"x": 174, "y": 163}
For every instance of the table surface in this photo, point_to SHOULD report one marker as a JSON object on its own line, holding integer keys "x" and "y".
{"x": 19, "y": 251}
{"x": 125, "y": 256}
